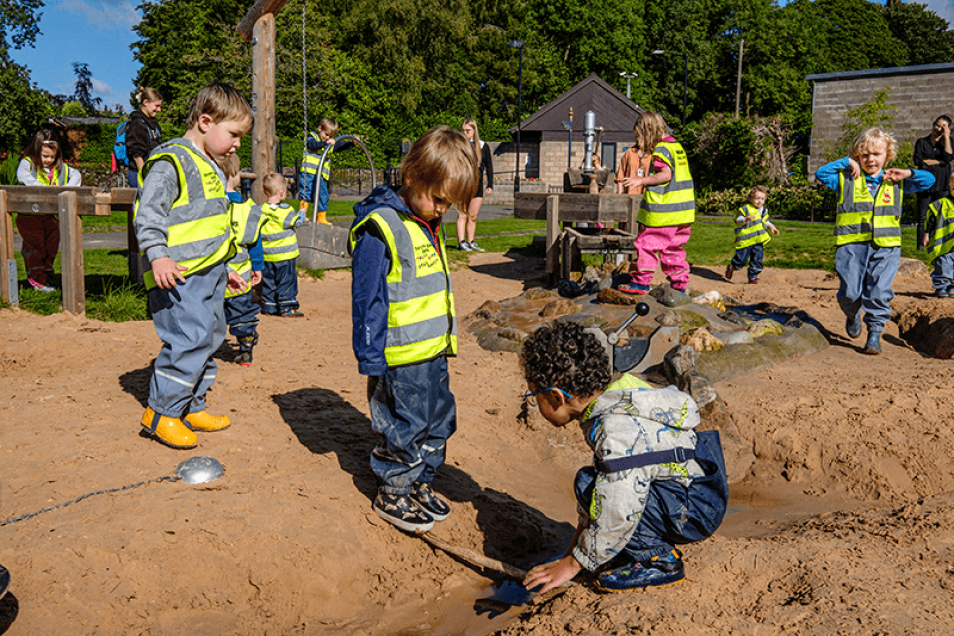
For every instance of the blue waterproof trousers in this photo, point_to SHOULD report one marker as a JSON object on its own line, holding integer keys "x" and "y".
{"x": 414, "y": 411}
{"x": 190, "y": 321}
{"x": 753, "y": 256}
{"x": 279, "y": 286}
{"x": 241, "y": 314}
{"x": 866, "y": 272}
{"x": 943, "y": 275}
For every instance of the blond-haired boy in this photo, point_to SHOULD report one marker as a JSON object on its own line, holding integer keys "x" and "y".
{"x": 868, "y": 229}
{"x": 280, "y": 244}
{"x": 310, "y": 182}
{"x": 182, "y": 225}
{"x": 404, "y": 324}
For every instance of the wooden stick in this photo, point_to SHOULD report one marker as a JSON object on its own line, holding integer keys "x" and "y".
{"x": 479, "y": 560}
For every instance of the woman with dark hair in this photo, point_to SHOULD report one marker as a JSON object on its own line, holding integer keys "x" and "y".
{"x": 143, "y": 132}
{"x": 934, "y": 154}
{"x": 467, "y": 219}
{"x": 41, "y": 164}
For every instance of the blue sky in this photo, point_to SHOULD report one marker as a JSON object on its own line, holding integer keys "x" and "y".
{"x": 99, "y": 32}
{"x": 95, "y": 32}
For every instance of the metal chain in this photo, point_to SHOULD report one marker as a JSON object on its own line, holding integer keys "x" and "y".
{"x": 30, "y": 515}
{"x": 304, "y": 80}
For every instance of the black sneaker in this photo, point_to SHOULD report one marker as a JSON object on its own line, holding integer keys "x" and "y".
{"x": 402, "y": 512}
{"x": 430, "y": 503}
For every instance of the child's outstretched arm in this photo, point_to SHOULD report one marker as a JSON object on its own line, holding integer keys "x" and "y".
{"x": 914, "y": 180}
{"x": 664, "y": 175}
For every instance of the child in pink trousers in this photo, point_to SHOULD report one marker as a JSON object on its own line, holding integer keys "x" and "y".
{"x": 667, "y": 210}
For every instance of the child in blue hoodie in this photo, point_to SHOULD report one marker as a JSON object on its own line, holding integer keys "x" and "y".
{"x": 868, "y": 229}
{"x": 404, "y": 324}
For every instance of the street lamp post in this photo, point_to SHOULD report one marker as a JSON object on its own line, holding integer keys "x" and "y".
{"x": 628, "y": 76}
{"x": 517, "y": 44}
{"x": 685, "y": 84}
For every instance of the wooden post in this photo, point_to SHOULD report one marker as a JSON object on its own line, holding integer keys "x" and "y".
{"x": 630, "y": 225}
{"x": 71, "y": 248}
{"x": 6, "y": 245}
{"x": 263, "y": 101}
{"x": 553, "y": 236}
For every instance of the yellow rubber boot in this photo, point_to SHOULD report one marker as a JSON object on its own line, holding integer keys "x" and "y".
{"x": 169, "y": 430}
{"x": 303, "y": 207}
{"x": 204, "y": 422}
{"x": 323, "y": 218}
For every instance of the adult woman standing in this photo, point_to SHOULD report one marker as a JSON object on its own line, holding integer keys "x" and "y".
{"x": 467, "y": 222}
{"x": 934, "y": 154}
{"x": 143, "y": 132}
{"x": 41, "y": 164}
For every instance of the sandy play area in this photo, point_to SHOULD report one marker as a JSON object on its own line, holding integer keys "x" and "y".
{"x": 843, "y": 496}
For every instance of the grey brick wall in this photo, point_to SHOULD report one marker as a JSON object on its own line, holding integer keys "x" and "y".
{"x": 918, "y": 96}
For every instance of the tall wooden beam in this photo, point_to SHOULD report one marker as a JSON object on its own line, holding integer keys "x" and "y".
{"x": 260, "y": 8}
{"x": 263, "y": 102}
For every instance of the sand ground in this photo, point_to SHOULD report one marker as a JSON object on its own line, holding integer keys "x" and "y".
{"x": 842, "y": 519}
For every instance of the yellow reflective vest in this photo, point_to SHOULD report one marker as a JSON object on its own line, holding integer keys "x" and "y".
{"x": 672, "y": 203}
{"x": 278, "y": 235}
{"x": 309, "y": 162}
{"x": 754, "y": 231}
{"x": 862, "y": 217}
{"x": 199, "y": 235}
{"x": 61, "y": 175}
{"x": 246, "y": 220}
{"x": 941, "y": 216}
{"x": 422, "y": 323}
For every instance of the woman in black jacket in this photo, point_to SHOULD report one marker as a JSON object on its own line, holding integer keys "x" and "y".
{"x": 467, "y": 219}
{"x": 143, "y": 132}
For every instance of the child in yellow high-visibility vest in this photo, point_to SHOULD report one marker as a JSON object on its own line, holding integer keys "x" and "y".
{"x": 751, "y": 234}
{"x": 280, "y": 275}
{"x": 939, "y": 235}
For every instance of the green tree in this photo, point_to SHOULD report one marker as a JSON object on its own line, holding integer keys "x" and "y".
{"x": 923, "y": 34}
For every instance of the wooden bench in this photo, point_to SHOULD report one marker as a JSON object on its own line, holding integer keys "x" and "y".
{"x": 69, "y": 204}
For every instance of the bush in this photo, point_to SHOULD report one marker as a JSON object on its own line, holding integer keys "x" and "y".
{"x": 791, "y": 202}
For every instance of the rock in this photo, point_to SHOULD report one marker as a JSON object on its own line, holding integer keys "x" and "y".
{"x": 667, "y": 318}
{"x": 701, "y": 389}
{"x": 615, "y": 297}
{"x": 669, "y": 297}
{"x": 711, "y": 298}
{"x": 559, "y": 307}
{"x": 489, "y": 310}
{"x": 767, "y": 327}
{"x": 678, "y": 362}
{"x": 912, "y": 267}
{"x": 734, "y": 318}
{"x": 735, "y": 337}
{"x": 536, "y": 293}
{"x": 591, "y": 274}
{"x": 702, "y": 340}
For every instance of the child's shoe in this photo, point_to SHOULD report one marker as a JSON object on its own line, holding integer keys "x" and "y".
{"x": 291, "y": 313}
{"x": 464, "y": 246}
{"x": 660, "y": 570}
{"x": 942, "y": 293}
{"x": 402, "y": 512}
{"x": 474, "y": 247}
{"x": 634, "y": 288}
{"x": 873, "y": 346}
{"x": 853, "y": 327}
{"x": 433, "y": 505}
{"x": 754, "y": 281}
{"x": 245, "y": 349}
{"x": 729, "y": 271}
{"x": 171, "y": 431}
{"x": 40, "y": 287}
{"x": 204, "y": 422}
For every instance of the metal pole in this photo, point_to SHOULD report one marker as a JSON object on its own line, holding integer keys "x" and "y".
{"x": 516, "y": 177}
{"x": 685, "y": 91}
{"x": 738, "y": 80}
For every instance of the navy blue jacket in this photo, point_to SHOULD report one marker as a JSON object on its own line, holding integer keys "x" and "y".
{"x": 369, "y": 290}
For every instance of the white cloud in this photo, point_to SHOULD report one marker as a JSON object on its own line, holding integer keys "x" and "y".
{"x": 118, "y": 15}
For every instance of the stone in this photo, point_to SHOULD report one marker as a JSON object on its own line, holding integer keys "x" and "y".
{"x": 667, "y": 318}
{"x": 735, "y": 337}
{"x": 615, "y": 297}
{"x": 489, "y": 310}
{"x": 767, "y": 327}
{"x": 912, "y": 267}
{"x": 678, "y": 362}
{"x": 536, "y": 293}
{"x": 669, "y": 297}
{"x": 559, "y": 307}
{"x": 702, "y": 340}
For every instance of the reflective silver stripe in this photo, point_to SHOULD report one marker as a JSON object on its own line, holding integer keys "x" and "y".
{"x": 420, "y": 331}
{"x": 424, "y": 286}
{"x": 661, "y": 208}
{"x": 172, "y": 378}
{"x": 281, "y": 249}
{"x": 383, "y": 454}
{"x": 751, "y": 235}
{"x": 681, "y": 185}
{"x": 197, "y": 249}
{"x": 278, "y": 236}
{"x": 888, "y": 230}
{"x": 860, "y": 228}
